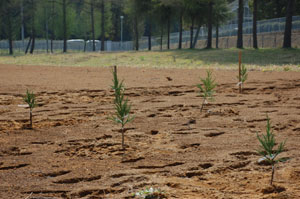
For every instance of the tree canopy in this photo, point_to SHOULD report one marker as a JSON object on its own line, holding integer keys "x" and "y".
{"x": 100, "y": 19}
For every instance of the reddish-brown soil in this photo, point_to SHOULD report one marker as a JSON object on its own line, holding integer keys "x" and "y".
{"x": 74, "y": 151}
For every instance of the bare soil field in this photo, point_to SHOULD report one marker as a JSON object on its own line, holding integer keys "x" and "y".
{"x": 74, "y": 151}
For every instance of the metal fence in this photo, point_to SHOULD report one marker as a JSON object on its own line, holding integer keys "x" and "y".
{"x": 274, "y": 27}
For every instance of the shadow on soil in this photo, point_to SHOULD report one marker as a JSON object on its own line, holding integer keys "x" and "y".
{"x": 260, "y": 57}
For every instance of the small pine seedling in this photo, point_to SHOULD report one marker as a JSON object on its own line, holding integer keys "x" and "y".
{"x": 122, "y": 108}
{"x": 30, "y": 100}
{"x": 207, "y": 89}
{"x": 267, "y": 143}
{"x": 244, "y": 76}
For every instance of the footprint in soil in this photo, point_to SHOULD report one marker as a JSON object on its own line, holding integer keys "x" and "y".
{"x": 132, "y": 159}
{"x": 175, "y": 93}
{"x": 158, "y": 166}
{"x": 130, "y": 180}
{"x": 119, "y": 175}
{"x": 14, "y": 151}
{"x": 213, "y": 134}
{"x": 194, "y": 145}
{"x": 239, "y": 165}
{"x": 151, "y": 115}
{"x": 55, "y": 173}
{"x": 243, "y": 155}
{"x": 206, "y": 165}
{"x": 154, "y": 132}
{"x": 13, "y": 166}
{"x": 95, "y": 192}
{"x": 273, "y": 189}
{"x": 191, "y": 174}
{"x": 77, "y": 180}
{"x": 234, "y": 166}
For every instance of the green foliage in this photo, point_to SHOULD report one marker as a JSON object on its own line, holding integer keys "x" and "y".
{"x": 221, "y": 12}
{"x": 30, "y": 99}
{"x": 150, "y": 193}
{"x": 9, "y": 19}
{"x": 207, "y": 90}
{"x": 267, "y": 143}
{"x": 208, "y": 85}
{"x": 122, "y": 108}
{"x": 244, "y": 74}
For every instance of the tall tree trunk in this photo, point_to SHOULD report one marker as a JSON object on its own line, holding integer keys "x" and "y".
{"x": 197, "y": 35}
{"x": 33, "y": 41}
{"x": 217, "y": 35}
{"x": 287, "y": 41}
{"x": 240, "y": 25}
{"x": 9, "y": 31}
{"x": 136, "y": 32}
{"x": 64, "y": 7}
{"x": 150, "y": 33}
{"x": 93, "y": 25}
{"x": 52, "y": 26}
{"x": 47, "y": 38}
{"x": 169, "y": 29}
{"x": 51, "y": 45}
{"x": 210, "y": 16}
{"x": 192, "y": 33}
{"x": 180, "y": 30}
{"x": 32, "y": 27}
{"x": 22, "y": 25}
{"x": 161, "y": 37}
{"x": 254, "y": 29}
{"x": 28, "y": 45}
{"x": 102, "y": 25}
{"x": 85, "y": 40}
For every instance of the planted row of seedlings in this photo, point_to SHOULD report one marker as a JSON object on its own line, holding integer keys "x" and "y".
{"x": 122, "y": 116}
{"x": 267, "y": 141}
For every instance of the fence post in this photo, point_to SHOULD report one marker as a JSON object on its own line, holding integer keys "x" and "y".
{"x": 227, "y": 42}
{"x": 250, "y": 41}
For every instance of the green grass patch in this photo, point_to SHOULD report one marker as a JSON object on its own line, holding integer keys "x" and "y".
{"x": 264, "y": 59}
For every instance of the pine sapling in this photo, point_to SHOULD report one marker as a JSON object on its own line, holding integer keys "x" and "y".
{"x": 244, "y": 76}
{"x": 207, "y": 90}
{"x": 30, "y": 100}
{"x": 267, "y": 143}
{"x": 122, "y": 108}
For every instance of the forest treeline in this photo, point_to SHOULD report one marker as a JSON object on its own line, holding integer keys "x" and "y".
{"x": 101, "y": 19}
